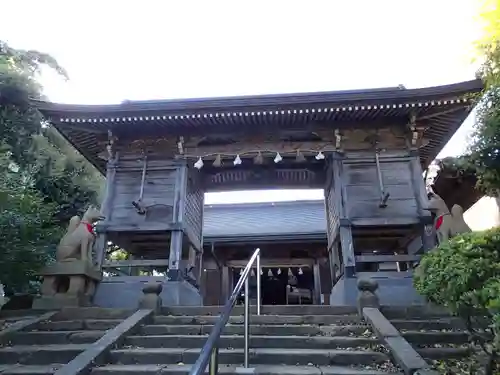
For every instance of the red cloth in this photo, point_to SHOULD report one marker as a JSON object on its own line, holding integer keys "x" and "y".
{"x": 90, "y": 228}
{"x": 439, "y": 221}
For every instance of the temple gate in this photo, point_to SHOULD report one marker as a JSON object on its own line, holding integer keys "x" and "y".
{"x": 367, "y": 149}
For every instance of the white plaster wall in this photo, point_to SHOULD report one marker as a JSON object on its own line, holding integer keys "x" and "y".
{"x": 484, "y": 214}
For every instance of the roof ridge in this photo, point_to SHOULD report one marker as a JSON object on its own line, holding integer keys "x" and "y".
{"x": 301, "y": 98}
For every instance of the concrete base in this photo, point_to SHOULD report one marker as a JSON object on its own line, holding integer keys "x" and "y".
{"x": 69, "y": 283}
{"x": 60, "y": 301}
{"x": 391, "y": 292}
{"x": 125, "y": 292}
{"x": 72, "y": 267}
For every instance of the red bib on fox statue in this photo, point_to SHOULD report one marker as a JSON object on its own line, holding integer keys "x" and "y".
{"x": 439, "y": 221}
{"x": 89, "y": 226}
{"x": 446, "y": 223}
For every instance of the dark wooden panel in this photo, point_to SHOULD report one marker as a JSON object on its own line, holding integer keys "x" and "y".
{"x": 158, "y": 198}
{"x": 193, "y": 213}
{"x": 211, "y": 287}
{"x": 333, "y": 201}
{"x": 370, "y": 209}
{"x": 372, "y": 193}
{"x": 363, "y": 190}
{"x": 393, "y": 173}
{"x": 133, "y": 160}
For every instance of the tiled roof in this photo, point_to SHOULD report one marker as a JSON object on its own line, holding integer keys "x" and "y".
{"x": 289, "y": 219}
{"x": 440, "y": 109}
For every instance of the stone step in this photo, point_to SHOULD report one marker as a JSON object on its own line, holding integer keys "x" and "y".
{"x": 261, "y": 319}
{"x": 270, "y": 329}
{"x": 7, "y": 321}
{"x": 21, "y": 314}
{"x": 224, "y": 369}
{"x": 427, "y": 338}
{"x": 320, "y": 357}
{"x": 83, "y": 313}
{"x": 40, "y": 354}
{"x": 30, "y": 369}
{"x": 265, "y": 310}
{"x": 14, "y": 319}
{"x": 414, "y": 312}
{"x": 279, "y": 342}
{"x": 78, "y": 325}
{"x": 428, "y": 324}
{"x": 445, "y": 353}
{"x": 55, "y": 337}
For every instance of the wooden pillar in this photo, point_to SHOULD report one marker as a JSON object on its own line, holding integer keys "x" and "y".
{"x": 199, "y": 265}
{"x": 339, "y": 229}
{"x": 317, "y": 283}
{"x": 325, "y": 276}
{"x": 101, "y": 242}
{"x": 347, "y": 248}
{"x": 345, "y": 231}
{"x": 428, "y": 234}
{"x": 176, "y": 240}
{"x": 225, "y": 284}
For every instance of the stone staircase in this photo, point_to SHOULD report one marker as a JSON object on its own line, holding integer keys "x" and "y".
{"x": 284, "y": 340}
{"x": 288, "y": 340}
{"x": 44, "y": 346}
{"x": 435, "y": 335}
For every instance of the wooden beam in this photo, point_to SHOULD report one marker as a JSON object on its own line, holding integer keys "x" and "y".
{"x": 142, "y": 227}
{"x": 440, "y": 113}
{"x": 368, "y": 156}
{"x": 135, "y": 263}
{"x": 386, "y": 275}
{"x": 274, "y": 263}
{"x": 387, "y": 258}
{"x": 394, "y": 221}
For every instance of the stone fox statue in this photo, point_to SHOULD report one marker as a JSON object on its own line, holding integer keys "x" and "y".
{"x": 79, "y": 239}
{"x": 446, "y": 223}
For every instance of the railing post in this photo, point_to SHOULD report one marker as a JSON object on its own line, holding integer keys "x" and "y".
{"x": 258, "y": 282}
{"x": 209, "y": 353}
{"x": 247, "y": 322}
{"x": 213, "y": 368}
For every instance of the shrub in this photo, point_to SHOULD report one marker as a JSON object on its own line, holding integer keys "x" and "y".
{"x": 463, "y": 275}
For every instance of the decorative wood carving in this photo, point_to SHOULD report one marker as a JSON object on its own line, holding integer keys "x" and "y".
{"x": 286, "y": 142}
{"x": 242, "y": 178}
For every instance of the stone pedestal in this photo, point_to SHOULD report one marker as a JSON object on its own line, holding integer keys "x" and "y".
{"x": 151, "y": 298}
{"x": 367, "y": 296}
{"x": 67, "y": 284}
{"x": 125, "y": 292}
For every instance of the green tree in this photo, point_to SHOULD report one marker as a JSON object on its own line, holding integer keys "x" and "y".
{"x": 485, "y": 147}
{"x": 27, "y": 230}
{"x": 463, "y": 275}
{"x": 44, "y": 180}
{"x": 61, "y": 174}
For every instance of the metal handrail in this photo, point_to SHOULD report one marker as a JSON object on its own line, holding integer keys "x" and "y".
{"x": 210, "y": 350}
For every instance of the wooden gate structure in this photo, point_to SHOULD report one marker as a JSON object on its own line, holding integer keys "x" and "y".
{"x": 366, "y": 148}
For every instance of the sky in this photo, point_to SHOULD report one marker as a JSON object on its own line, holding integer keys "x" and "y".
{"x": 157, "y": 49}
